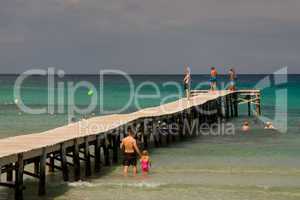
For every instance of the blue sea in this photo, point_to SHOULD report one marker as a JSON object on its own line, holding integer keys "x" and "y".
{"x": 259, "y": 165}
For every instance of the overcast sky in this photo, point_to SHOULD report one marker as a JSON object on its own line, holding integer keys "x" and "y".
{"x": 149, "y": 36}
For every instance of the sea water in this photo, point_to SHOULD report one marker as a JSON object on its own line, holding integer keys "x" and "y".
{"x": 262, "y": 164}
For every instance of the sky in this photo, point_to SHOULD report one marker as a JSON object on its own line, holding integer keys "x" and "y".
{"x": 149, "y": 36}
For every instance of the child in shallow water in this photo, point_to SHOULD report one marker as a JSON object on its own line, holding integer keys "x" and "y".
{"x": 145, "y": 162}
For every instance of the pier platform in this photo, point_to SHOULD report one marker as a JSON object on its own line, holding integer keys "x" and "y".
{"x": 98, "y": 139}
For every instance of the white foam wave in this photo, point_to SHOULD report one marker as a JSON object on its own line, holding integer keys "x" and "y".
{"x": 137, "y": 185}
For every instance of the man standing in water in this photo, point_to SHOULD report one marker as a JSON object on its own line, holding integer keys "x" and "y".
{"x": 130, "y": 151}
{"x": 213, "y": 79}
{"x": 187, "y": 81}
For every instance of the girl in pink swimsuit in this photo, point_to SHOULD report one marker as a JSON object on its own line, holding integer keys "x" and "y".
{"x": 145, "y": 162}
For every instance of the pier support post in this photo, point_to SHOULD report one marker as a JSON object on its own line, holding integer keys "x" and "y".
{"x": 76, "y": 161}
{"x": 236, "y": 110}
{"x": 205, "y": 114}
{"x": 36, "y": 165}
{"x": 0, "y": 172}
{"x": 64, "y": 163}
{"x": 9, "y": 172}
{"x": 106, "y": 153}
{"x": 258, "y": 107}
{"x": 169, "y": 136}
{"x": 52, "y": 162}
{"x": 116, "y": 144}
{"x": 173, "y": 120}
{"x": 227, "y": 107}
{"x": 223, "y": 107}
{"x": 231, "y": 105}
{"x": 42, "y": 174}
{"x": 200, "y": 115}
{"x": 97, "y": 154}
{"x": 19, "y": 177}
{"x": 249, "y": 105}
{"x": 87, "y": 157}
{"x": 145, "y": 134}
{"x": 181, "y": 125}
{"x": 155, "y": 132}
{"x": 215, "y": 110}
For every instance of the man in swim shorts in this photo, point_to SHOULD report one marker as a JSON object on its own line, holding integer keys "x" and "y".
{"x": 130, "y": 151}
{"x": 213, "y": 79}
{"x": 232, "y": 79}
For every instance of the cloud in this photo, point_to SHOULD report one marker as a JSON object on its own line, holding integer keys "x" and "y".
{"x": 154, "y": 36}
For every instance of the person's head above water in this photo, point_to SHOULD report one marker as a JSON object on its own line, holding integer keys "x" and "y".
{"x": 246, "y": 123}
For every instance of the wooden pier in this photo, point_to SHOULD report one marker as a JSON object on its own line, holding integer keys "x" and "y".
{"x": 98, "y": 139}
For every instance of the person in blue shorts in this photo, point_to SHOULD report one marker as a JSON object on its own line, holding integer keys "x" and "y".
{"x": 232, "y": 79}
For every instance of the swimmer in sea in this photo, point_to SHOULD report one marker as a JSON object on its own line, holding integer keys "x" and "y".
{"x": 246, "y": 126}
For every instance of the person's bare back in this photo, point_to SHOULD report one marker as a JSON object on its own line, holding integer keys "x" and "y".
{"x": 129, "y": 144}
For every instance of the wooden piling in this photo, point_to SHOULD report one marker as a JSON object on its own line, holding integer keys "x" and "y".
{"x": 76, "y": 161}
{"x": 9, "y": 172}
{"x": 52, "y": 162}
{"x": 36, "y": 165}
{"x": 231, "y": 105}
{"x": 227, "y": 107}
{"x": 155, "y": 132}
{"x": 116, "y": 144}
{"x": 19, "y": 170}
{"x": 97, "y": 154}
{"x": 249, "y": 105}
{"x": 0, "y": 173}
{"x": 64, "y": 162}
{"x": 236, "y": 110}
{"x": 42, "y": 173}
{"x": 257, "y": 103}
{"x": 106, "y": 154}
{"x": 87, "y": 157}
{"x": 145, "y": 135}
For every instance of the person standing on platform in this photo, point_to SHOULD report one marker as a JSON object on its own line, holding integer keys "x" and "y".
{"x": 187, "y": 81}
{"x": 232, "y": 79}
{"x": 213, "y": 79}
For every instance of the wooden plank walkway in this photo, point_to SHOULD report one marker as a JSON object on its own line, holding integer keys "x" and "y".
{"x": 68, "y": 141}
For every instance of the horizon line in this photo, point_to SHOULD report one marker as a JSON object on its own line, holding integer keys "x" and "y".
{"x": 146, "y": 74}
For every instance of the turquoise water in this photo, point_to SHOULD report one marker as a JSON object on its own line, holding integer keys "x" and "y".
{"x": 259, "y": 165}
